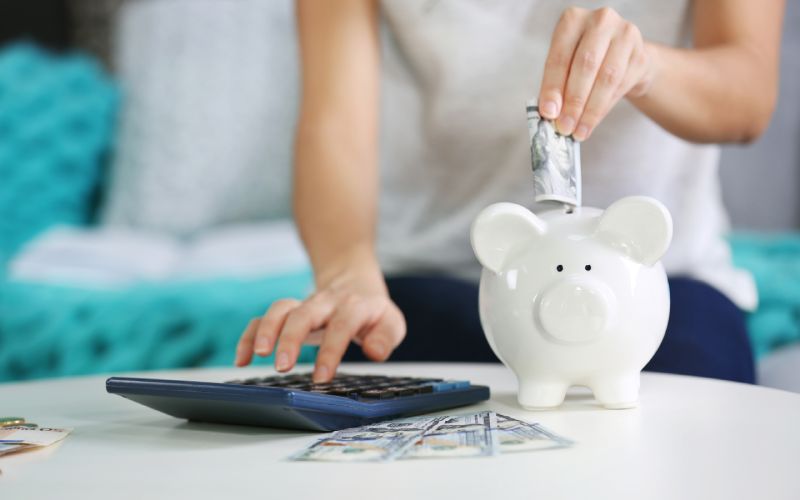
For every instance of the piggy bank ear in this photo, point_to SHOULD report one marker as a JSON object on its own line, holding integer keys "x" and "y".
{"x": 639, "y": 226}
{"x": 500, "y": 227}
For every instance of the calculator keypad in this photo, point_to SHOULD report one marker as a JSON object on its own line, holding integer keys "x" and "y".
{"x": 367, "y": 387}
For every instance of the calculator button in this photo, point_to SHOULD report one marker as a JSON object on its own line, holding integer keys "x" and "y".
{"x": 404, "y": 391}
{"x": 377, "y": 394}
{"x": 300, "y": 386}
{"x": 450, "y": 385}
{"x": 320, "y": 386}
{"x": 343, "y": 391}
{"x": 421, "y": 381}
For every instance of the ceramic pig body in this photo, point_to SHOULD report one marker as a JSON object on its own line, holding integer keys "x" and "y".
{"x": 574, "y": 298}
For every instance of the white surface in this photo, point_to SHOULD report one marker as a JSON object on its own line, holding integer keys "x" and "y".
{"x": 557, "y": 324}
{"x": 690, "y": 438}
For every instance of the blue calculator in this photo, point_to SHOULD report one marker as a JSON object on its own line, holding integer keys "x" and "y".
{"x": 295, "y": 402}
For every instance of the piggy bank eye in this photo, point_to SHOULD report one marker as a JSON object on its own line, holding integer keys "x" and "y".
{"x": 588, "y": 267}
{"x": 559, "y": 268}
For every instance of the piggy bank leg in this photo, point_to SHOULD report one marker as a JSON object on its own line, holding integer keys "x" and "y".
{"x": 617, "y": 393}
{"x": 537, "y": 395}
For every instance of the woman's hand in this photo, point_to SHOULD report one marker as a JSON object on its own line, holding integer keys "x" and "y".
{"x": 596, "y": 58}
{"x": 353, "y": 305}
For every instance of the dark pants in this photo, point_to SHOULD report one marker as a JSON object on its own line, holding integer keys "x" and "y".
{"x": 706, "y": 335}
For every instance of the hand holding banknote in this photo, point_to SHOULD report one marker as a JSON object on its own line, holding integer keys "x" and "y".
{"x": 595, "y": 59}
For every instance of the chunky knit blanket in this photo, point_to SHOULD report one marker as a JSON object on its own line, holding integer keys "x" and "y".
{"x": 52, "y": 331}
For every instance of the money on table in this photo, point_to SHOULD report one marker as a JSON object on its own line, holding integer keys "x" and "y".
{"x": 460, "y": 436}
{"x": 516, "y": 435}
{"x": 471, "y": 435}
{"x": 22, "y": 437}
{"x": 382, "y": 441}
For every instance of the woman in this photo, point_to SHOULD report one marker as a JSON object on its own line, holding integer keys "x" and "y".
{"x": 649, "y": 87}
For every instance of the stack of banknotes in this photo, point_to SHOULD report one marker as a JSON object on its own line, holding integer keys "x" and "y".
{"x": 555, "y": 160}
{"x": 17, "y": 435}
{"x": 478, "y": 434}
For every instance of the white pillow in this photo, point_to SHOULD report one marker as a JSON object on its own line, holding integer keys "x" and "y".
{"x": 210, "y": 101}
{"x": 118, "y": 257}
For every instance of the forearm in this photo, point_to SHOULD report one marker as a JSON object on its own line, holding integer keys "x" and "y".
{"x": 336, "y": 176}
{"x": 724, "y": 93}
{"x": 335, "y": 196}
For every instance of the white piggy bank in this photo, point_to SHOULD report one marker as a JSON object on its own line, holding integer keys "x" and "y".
{"x": 574, "y": 298}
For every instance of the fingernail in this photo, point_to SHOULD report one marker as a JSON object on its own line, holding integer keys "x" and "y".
{"x": 282, "y": 363}
{"x": 581, "y": 133}
{"x": 262, "y": 346}
{"x": 549, "y": 109}
{"x": 565, "y": 125}
{"x": 321, "y": 375}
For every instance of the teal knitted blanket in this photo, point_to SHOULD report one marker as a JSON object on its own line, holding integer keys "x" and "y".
{"x": 57, "y": 115}
{"x": 774, "y": 261}
{"x": 53, "y": 331}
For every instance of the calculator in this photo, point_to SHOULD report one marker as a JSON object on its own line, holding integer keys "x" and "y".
{"x": 295, "y": 402}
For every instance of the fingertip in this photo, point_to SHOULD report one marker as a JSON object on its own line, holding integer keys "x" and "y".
{"x": 581, "y": 133}
{"x": 550, "y": 104}
{"x": 262, "y": 347}
{"x": 242, "y": 356}
{"x": 376, "y": 349}
{"x": 282, "y": 362}
{"x": 321, "y": 374}
{"x": 565, "y": 125}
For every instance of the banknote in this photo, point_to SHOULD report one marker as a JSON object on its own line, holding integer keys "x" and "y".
{"x": 7, "y": 449}
{"x": 479, "y": 434}
{"x": 517, "y": 435}
{"x": 459, "y": 436}
{"x": 39, "y": 436}
{"x": 380, "y": 442}
{"x": 555, "y": 160}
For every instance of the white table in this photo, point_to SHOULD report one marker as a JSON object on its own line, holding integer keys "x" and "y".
{"x": 690, "y": 438}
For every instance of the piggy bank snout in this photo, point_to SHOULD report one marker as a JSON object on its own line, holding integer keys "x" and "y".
{"x": 576, "y": 310}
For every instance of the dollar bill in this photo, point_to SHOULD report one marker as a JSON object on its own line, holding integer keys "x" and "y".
{"x": 39, "y": 436}
{"x": 7, "y": 449}
{"x": 555, "y": 160}
{"x": 517, "y": 435}
{"x": 480, "y": 434}
{"x": 380, "y": 442}
{"x": 459, "y": 436}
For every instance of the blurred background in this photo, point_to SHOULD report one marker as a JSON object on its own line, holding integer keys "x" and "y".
{"x": 145, "y": 167}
